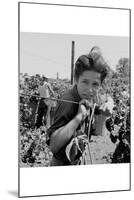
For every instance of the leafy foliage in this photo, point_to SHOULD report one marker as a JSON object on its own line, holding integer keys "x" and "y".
{"x": 33, "y": 148}
{"x": 75, "y": 149}
{"x": 122, "y": 67}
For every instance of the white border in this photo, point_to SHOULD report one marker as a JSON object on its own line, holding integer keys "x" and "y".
{"x": 73, "y": 20}
{"x": 74, "y": 179}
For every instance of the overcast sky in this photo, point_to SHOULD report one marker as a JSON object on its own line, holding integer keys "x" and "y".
{"x": 48, "y": 54}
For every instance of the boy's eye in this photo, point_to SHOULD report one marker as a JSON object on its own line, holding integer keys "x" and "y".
{"x": 96, "y": 84}
{"x": 85, "y": 81}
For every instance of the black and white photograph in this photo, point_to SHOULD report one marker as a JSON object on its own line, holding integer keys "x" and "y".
{"x": 64, "y": 120}
{"x": 74, "y": 97}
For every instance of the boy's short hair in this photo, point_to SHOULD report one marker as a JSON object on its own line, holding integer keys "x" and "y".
{"x": 94, "y": 61}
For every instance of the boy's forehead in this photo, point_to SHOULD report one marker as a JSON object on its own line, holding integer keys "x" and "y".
{"x": 91, "y": 75}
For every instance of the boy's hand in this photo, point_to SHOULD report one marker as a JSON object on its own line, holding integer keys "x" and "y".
{"x": 84, "y": 109}
{"x": 107, "y": 108}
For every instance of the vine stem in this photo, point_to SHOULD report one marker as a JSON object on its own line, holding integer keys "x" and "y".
{"x": 92, "y": 114}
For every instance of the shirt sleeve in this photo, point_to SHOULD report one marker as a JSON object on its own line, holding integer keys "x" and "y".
{"x": 63, "y": 114}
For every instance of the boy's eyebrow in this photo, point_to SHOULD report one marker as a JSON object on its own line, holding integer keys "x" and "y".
{"x": 86, "y": 79}
{"x": 96, "y": 80}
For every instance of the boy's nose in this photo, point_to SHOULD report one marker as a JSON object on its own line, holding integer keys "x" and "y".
{"x": 90, "y": 89}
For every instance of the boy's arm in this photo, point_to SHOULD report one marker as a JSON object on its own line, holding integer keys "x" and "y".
{"x": 60, "y": 137}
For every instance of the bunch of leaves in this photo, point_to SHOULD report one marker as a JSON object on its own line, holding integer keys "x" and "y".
{"x": 33, "y": 148}
{"x": 120, "y": 134}
{"x": 122, "y": 153}
{"x": 76, "y": 148}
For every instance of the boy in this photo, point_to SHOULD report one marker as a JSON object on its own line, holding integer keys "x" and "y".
{"x": 90, "y": 71}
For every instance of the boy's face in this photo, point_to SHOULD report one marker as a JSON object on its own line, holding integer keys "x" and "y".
{"x": 88, "y": 84}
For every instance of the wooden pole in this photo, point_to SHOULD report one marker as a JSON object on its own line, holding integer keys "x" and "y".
{"x": 72, "y": 62}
